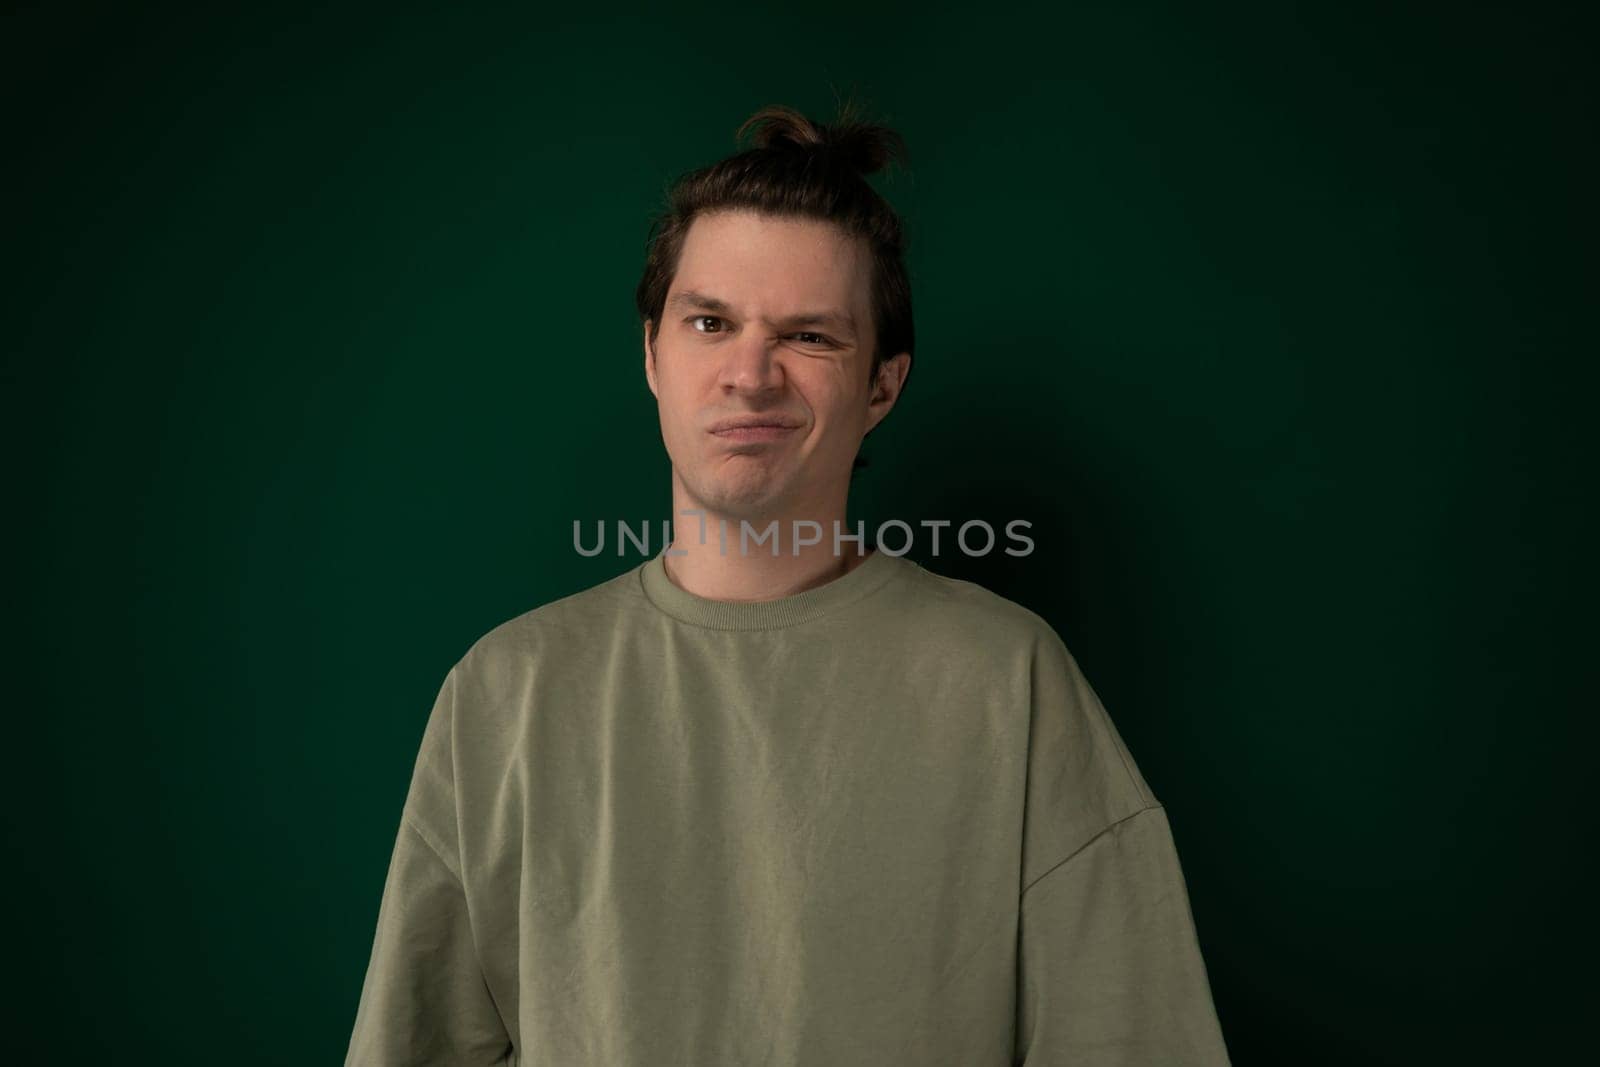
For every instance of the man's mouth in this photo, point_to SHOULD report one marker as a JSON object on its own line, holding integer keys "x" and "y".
{"x": 753, "y": 428}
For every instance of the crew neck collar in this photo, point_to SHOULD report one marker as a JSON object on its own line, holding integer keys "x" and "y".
{"x": 870, "y": 574}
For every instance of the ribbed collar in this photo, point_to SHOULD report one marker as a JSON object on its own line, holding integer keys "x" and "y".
{"x": 869, "y": 576}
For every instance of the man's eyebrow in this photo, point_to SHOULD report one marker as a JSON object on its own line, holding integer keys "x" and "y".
{"x": 690, "y": 300}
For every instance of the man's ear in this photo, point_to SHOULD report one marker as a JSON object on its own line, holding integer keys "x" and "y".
{"x": 886, "y": 387}
{"x": 649, "y": 361}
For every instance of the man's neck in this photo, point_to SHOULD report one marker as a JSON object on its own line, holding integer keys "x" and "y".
{"x": 733, "y": 567}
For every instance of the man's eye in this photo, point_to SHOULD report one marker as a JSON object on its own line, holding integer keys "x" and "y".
{"x": 806, "y": 337}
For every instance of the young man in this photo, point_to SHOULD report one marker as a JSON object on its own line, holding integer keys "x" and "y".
{"x": 788, "y": 802}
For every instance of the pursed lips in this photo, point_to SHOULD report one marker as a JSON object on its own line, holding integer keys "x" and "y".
{"x": 753, "y": 428}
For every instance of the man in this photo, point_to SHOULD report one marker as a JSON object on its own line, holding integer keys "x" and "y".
{"x": 786, "y": 802}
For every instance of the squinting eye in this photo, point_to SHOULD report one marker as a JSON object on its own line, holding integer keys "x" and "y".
{"x": 820, "y": 340}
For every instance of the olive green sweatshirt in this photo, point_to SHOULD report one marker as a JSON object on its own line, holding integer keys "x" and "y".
{"x": 882, "y": 821}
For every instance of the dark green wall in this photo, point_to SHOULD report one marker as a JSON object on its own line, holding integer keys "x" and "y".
{"x": 1276, "y": 324}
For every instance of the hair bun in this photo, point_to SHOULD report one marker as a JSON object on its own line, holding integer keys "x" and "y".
{"x": 865, "y": 147}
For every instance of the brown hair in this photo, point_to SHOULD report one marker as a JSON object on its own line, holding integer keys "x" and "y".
{"x": 798, "y": 169}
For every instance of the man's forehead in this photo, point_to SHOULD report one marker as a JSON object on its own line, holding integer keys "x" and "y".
{"x": 787, "y": 270}
{"x": 738, "y": 227}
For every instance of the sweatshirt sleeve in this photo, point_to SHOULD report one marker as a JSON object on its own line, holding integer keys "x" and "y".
{"x": 424, "y": 999}
{"x": 1109, "y": 972}
{"x": 1110, "y": 967}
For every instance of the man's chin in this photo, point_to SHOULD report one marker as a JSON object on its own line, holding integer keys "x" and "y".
{"x": 749, "y": 499}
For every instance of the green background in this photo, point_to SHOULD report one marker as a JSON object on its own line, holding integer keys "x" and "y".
{"x": 1267, "y": 318}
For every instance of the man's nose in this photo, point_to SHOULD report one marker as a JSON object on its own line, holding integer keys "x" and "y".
{"x": 752, "y": 365}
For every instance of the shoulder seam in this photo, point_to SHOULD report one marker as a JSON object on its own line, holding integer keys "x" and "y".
{"x": 410, "y": 820}
{"x": 1080, "y": 849}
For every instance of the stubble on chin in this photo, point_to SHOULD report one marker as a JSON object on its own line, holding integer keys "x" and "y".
{"x": 751, "y": 502}
{"x": 749, "y": 495}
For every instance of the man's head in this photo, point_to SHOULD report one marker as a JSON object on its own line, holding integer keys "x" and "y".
{"x": 775, "y": 290}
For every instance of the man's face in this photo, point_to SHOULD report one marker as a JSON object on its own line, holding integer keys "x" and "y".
{"x": 768, "y": 320}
